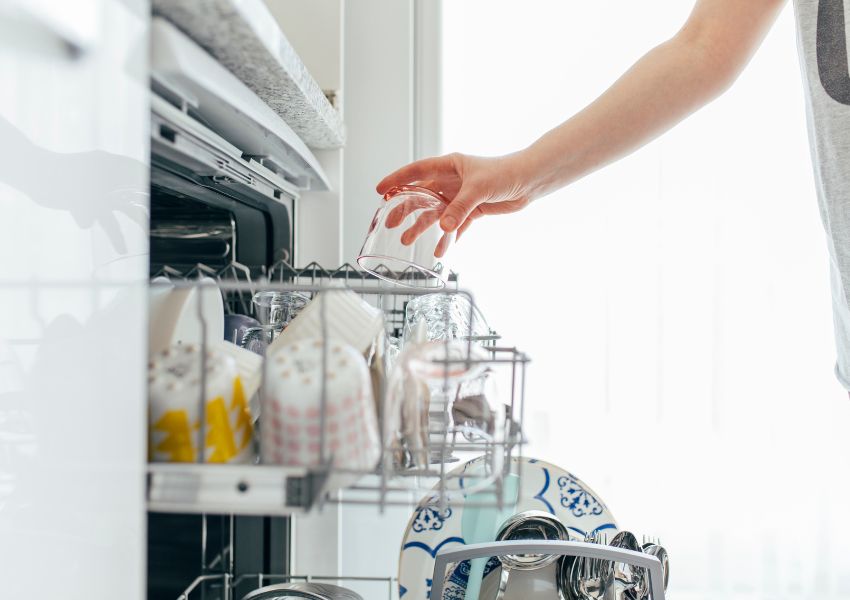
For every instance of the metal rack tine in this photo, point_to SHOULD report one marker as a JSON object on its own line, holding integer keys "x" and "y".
{"x": 169, "y": 273}
{"x": 314, "y": 270}
{"x": 201, "y": 270}
{"x": 347, "y": 271}
{"x": 236, "y": 271}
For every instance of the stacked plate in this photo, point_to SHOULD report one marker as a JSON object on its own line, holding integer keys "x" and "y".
{"x": 473, "y": 516}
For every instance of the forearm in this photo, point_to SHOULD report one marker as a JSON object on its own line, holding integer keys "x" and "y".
{"x": 662, "y": 88}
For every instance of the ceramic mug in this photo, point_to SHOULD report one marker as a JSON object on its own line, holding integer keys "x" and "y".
{"x": 292, "y": 426}
{"x": 175, "y": 388}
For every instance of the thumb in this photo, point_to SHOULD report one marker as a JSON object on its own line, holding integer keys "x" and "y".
{"x": 460, "y": 208}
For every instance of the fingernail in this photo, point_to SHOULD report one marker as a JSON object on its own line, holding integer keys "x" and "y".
{"x": 448, "y": 223}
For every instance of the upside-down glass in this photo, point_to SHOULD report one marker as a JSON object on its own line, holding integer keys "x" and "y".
{"x": 447, "y": 317}
{"x": 405, "y": 244}
{"x": 278, "y": 308}
{"x": 274, "y": 311}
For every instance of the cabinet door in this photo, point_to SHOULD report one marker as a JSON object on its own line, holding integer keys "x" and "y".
{"x": 73, "y": 264}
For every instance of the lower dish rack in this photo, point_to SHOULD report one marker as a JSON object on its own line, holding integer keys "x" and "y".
{"x": 465, "y": 365}
{"x": 576, "y": 564}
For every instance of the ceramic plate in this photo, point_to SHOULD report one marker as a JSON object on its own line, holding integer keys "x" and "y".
{"x": 174, "y": 317}
{"x": 533, "y": 485}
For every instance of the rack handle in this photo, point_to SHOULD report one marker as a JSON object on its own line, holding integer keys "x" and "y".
{"x": 582, "y": 549}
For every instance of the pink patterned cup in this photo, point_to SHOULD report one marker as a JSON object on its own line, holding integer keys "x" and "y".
{"x": 291, "y": 429}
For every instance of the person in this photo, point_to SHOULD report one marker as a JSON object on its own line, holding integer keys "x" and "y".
{"x": 666, "y": 85}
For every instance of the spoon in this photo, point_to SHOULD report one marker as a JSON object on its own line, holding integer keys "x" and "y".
{"x": 628, "y": 581}
{"x": 661, "y": 554}
{"x": 528, "y": 525}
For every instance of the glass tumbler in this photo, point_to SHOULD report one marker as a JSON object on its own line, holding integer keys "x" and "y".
{"x": 405, "y": 244}
{"x": 278, "y": 308}
{"x": 258, "y": 339}
{"x": 447, "y": 317}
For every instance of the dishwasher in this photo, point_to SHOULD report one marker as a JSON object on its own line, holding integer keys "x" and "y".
{"x": 277, "y": 388}
{"x": 222, "y": 215}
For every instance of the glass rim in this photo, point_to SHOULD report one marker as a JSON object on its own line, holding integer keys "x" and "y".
{"x": 401, "y": 282}
{"x": 266, "y": 298}
{"x": 398, "y": 190}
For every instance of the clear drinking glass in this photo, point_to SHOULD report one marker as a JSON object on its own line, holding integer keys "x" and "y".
{"x": 390, "y": 251}
{"x": 258, "y": 339}
{"x": 446, "y": 317}
{"x": 277, "y": 309}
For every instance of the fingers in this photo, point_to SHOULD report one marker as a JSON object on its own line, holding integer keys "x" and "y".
{"x": 398, "y": 214}
{"x": 459, "y": 209}
{"x": 422, "y": 223}
{"x": 421, "y": 170}
{"x": 443, "y": 245}
{"x": 475, "y": 214}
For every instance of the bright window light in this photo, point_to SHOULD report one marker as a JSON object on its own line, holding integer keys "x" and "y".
{"x": 676, "y": 305}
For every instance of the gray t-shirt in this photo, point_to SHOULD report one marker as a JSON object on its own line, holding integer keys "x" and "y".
{"x": 823, "y": 44}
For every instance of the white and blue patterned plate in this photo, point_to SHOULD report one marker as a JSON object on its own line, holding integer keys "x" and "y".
{"x": 542, "y": 486}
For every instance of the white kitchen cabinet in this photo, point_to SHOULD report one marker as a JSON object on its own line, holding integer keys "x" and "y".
{"x": 73, "y": 273}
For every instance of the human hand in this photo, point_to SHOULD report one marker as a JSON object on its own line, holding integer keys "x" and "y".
{"x": 471, "y": 186}
{"x": 426, "y": 205}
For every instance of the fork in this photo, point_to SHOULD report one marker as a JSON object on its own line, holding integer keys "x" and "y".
{"x": 589, "y": 579}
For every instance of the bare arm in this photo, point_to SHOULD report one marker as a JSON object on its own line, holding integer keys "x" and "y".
{"x": 670, "y": 82}
{"x": 662, "y": 88}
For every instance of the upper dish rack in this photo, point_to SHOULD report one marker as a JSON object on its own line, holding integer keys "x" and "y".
{"x": 274, "y": 489}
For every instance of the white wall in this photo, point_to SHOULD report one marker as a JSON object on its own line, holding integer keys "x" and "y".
{"x": 379, "y": 101}
{"x": 379, "y": 107}
{"x": 676, "y": 304}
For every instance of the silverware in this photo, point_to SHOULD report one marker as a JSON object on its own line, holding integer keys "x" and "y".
{"x": 528, "y": 525}
{"x": 649, "y": 540}
{"x": 627, "y": 581}
{"x": 564, "y": 583}
{"x": 312, "y": 591}
{"x": 588, "y": 579}
{"x": 660, "y": 553}
{"x": 597, "y": 579}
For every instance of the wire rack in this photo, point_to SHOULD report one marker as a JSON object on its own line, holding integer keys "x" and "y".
{"x": 223, "y": 585}
{"x": 220, "y": 578}
{"x": 221, "y": 581}
{"x": 266, "y": 489}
